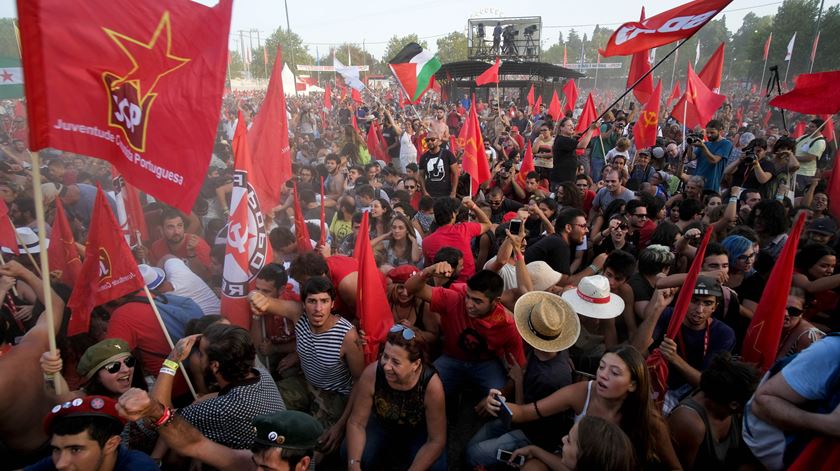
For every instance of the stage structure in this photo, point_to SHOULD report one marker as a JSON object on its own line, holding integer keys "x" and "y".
{"x": 511, "y": 39}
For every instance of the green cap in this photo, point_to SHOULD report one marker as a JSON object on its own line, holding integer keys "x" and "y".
{"x": 100, "y": 354}
{"x": 288, "y": 429}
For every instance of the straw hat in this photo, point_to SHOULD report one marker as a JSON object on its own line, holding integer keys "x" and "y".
{"x": 545, "y": 321}
{"x": 542, "y": 275}
{"x": 592, "y": 298}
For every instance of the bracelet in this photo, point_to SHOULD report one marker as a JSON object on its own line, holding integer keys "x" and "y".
{"x": 537, "y": 410}
{"x": 167, "y": 371}
{"x": 170, "y": 364}
{"x": 167, "y": 418}
{"x": 780, "y": 197}
{"x": 733, "y": 199}
{"x": 519, "y": 256}
{"x": 595, "y": 269}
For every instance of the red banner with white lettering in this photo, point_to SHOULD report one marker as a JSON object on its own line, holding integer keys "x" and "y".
{"x": 666, "y": 27}
{"x": 128, "y": 82}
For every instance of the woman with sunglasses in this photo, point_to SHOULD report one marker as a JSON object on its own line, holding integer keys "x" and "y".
{"x": 614, "y": 237}
{"x": 797, "y": 333}
{"x": 398, "y": 420}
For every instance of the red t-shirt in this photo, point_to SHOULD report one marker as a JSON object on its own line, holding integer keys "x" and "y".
{"x": 588, "y": 198}
{"x": 160, "y": 249}
{"x": 646, "y": 233}
{"x": 137, "y": 325}
{"x": 472, "y": 339}
{"x": 457, "y": 236}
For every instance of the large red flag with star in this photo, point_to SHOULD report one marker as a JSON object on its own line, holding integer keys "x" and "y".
{"x": 248, "y": 250}
{"x": 128, "y": 82}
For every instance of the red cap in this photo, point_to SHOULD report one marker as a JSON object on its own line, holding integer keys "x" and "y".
{"x": 509, "y": 216}
{"x": 402, "y": 273}
{"x": 90, "y": 406}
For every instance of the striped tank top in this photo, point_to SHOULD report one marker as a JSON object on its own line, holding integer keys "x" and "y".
{"x": 320, "y": 356}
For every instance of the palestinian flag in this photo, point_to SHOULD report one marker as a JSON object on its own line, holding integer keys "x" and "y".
{"x": 414, "y": 67}
{"x": 11, "y": 78}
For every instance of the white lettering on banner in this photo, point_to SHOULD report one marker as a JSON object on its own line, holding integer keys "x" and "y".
{"x": 112, "y": 283}
{"x": 127, "y": 152}
{"x": 627, "y": 33}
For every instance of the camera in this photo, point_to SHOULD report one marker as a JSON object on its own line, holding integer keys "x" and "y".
{"x": 693, "y": 137}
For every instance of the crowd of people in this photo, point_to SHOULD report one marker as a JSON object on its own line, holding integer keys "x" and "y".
{"x": 523, "y": 310}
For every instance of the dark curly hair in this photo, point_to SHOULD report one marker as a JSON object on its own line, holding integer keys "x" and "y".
{"x": 233, "y": 348}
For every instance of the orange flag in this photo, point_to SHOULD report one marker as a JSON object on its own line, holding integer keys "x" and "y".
{"x": 247, "y": 249}
{"x": 372, "y": 307}
{"x": 491, "y": 75}
{"x": 109, "y": 270}
{"x": 647, "y": 124}
{"x": 474, "y": 160}
{"x": 587, "y": 116}
{"x": 62, "y": 252}
{"x": 761, "y": 343}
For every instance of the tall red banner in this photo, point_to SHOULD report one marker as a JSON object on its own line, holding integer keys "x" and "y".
{"x": 128, "y": 82}
{"x": 672, "y": 25}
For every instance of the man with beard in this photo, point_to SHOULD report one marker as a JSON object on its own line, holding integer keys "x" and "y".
{"x": 438, "y": 169}
{"x": 439, "y": 127}
{"x": 334, "y": 182}
{"x": 712, "y": 155}
{"x": 192, "y": 249}
{"x": 226, "y": 354}
{"x": 556, "y": 249}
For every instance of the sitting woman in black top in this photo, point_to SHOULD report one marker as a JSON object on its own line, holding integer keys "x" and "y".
{"x": 398, "y": 417}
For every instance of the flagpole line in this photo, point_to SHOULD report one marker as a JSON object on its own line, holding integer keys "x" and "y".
{"x": 763, "y": 71}
{"x": 787, "y": 69}
{"x": 262, "y": 329}
{"x": 639, "y": 80}
{"x": 168, "y": 338}
{"x": 45, "y": 266}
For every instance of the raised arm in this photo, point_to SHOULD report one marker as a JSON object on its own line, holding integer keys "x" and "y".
{"x": 416, "y": 285}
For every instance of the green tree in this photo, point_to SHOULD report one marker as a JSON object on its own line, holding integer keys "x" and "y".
{"x": 396, "y": 43}
{"x": 236, "y": 67}
{"x": 572, "y": 47}
{"x": 794, "y": 16}
{"x": 452, "y": 47}
{"x": 827, "y": 58}
{"x": 8, "y": 39}
{"x": 291, "y": 46}
{"x": 747, "y": 47}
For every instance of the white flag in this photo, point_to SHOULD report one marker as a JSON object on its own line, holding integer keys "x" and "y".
{"x": 790, "y": 47}
{"x": 697, "y": 54}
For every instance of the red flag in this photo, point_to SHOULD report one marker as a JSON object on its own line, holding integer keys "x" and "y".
{"x": 713, "y": 70}
{"x": 537, "y": 104}
{"x": 353, "y": 121}
{"x": 766, "y": 120}
{"x": 8, "y": 236}
{"x": 799, "y": 129}
{"x": 372, "y": 307}
{"x": 812, "y": 94}
{"x": 672, "y": 25}
{"x": 301, "y": 232}
{"x": 767, "y": 46}
{"x": 268, "y": 142}
{"x": 130, "y": 214}
{"x": 128, "y": 82}
{"x": 453, "y": 143}
{"x": 675, "y": 93}
{"x": 565, "y": 57}
{"x": 828, "y": 129}
{"x": 814, "y": 47}
{"x": 527, "y": 165}
{"x": 834, "y": 189}
{"x": 474, "y": 160}
{"x": 761, "y": 342}
{"x": 247, "y": 249}
{"x": 821, "y": 454}
{"x": 639, "y": 66}
{"x": 374, "y": 144}
{"x": 554, "y": 107}
{"x": 356, "y": 96}
{"x": 108, "y": 272}
{"x": 531, "y": 96}
{"x": 647, "y": 124}
{"x": 570, "y": 92}
{"x": 328, "y": 97}
{"x": 655, "y": 361}
{"x": 62, "y": 252}
{"x": 739, "y": 117}
{"x": 323, "y": 241}
{"x": 491, "y": 75}
{"x": 698, "y": 104}
{"x": 587, "y": 117}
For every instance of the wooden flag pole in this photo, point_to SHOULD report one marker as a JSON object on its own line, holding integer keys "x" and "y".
{"x": 45, "y": 266}
{"x": 14, "y": 287}
{"x": 168, "y": 338}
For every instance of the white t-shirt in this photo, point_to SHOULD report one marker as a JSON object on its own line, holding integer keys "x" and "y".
{"x": 408, "y": 152}
{"x": 187, "y": 284}
{"x": 507, "y": 272}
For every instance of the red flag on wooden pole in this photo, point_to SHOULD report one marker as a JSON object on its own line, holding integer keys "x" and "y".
{"x": 304, "y": 243}
{"x": 570, "y": 92}
{"x": 491, "y": 75}
{"x": 531, "y": 96}
{"x": 372, "y": 307}
{"x": 647, "y": 124}
{"x": 62, "y": 252}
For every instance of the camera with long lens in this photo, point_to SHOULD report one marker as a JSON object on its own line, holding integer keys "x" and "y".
{"x": 749, "y": 154}
{"x": 693, "y": 137}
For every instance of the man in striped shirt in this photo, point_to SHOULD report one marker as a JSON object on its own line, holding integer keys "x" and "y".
{"x": 330, "y": 354}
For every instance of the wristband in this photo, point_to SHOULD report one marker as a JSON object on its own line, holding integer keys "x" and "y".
{"x": 780, "y": 197}
{"x": 167, "y": 371}
{"x": 167, "y": 417}
{"x": 170, "y": 364}
{"x": 519, "y": 256}
{"x": 733, "y": 199}
{"x": 595, "y": 268}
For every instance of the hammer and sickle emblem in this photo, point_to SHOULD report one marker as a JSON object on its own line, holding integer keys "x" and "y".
{"x": 650, "y": 118}
{"x": 238, "y": 236}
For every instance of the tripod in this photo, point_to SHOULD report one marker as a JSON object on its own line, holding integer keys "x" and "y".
{"x": 772, "y": 81}
{"x": 530, "y": 46}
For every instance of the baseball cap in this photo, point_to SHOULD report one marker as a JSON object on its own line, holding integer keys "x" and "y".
{"x": 288, "y": 429}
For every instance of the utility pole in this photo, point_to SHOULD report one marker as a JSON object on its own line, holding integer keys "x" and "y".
{"x": 265, "y": 55}
{"x": 289, "y": 32}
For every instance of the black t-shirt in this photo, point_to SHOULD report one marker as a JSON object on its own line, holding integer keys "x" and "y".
{"x": 642, "y": 290}
{"x": 744, "y": 175}
{"x": 507, "y": 206}
{"x": 565, "y": 160}
{"x": 391, "y": 137}
{"x": 752, "y": 287}
{"x": 554, "y": 251}
{"x": 436, "y": 172}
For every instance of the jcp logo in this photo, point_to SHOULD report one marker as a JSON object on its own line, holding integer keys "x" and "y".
{"x": 627, "y": 33}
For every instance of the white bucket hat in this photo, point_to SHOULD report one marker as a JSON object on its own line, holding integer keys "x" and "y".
{"x": 542, "y": 275}
{"x": 27, "y": 241}
{"x": 545, "y": 321}
{"x": 592, "y": 298}
{"x": 152, "y": 276}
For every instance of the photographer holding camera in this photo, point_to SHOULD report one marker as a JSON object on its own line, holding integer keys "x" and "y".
{"x": 752, "y": 169}
{"x": 712, "y": 154}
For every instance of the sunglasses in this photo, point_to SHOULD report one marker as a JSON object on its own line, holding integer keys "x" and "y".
{"x": 623, "y": 227}
{"x": 115, "y": 367}
{"x": 411, "y": 187}
{"x": 641, "y": 216}
{"x": 407, "y": 334}
{"x": 794, "y": 311}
